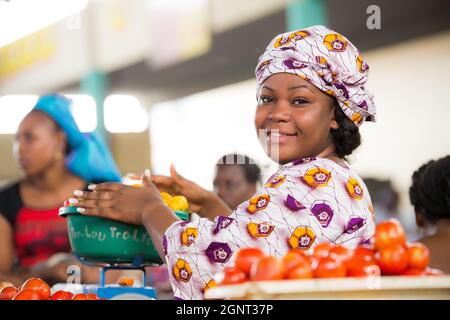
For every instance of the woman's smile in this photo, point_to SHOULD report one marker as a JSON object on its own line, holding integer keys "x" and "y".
{"x": 276, "y": 136}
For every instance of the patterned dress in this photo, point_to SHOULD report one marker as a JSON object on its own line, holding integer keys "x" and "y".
{"x": 305, "y": 202}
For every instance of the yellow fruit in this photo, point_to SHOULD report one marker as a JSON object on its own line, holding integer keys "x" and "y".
{"x": 166, "y": 197}
{"x": 179, "y": 203}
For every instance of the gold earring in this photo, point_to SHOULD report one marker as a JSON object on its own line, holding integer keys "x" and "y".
{"x": 58, "y": 155}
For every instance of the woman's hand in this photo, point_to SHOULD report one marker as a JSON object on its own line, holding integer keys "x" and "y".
{"x": 201, "y": 201}
{"x": 117, "y": 201}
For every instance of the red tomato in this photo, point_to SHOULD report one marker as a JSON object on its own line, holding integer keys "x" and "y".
{"x": 295, "y": 257}
{"x": 37, "y": 285}
{"x": 79, "y": 296}
{"x": 92, "y": 296}
{"x": 268, "y": 268}
{"x": 364, "y": 252}
{"x": 414, "y": 272}
{"x": 389, "y": 233}
{"x": 341, "y": 252}
{"x": 393, "y": 260}
{"x": 7, "y": 293}
{"x": 232, "y": 275}
{"x": 246, "y": 257}
{"x": 62, "y": 295}
{"x": 302, "y": 270}
{"x": 418, "y": 256}
{"x": 433, "y": 272}
{"x": 358, "y": 267}
{"x": 330, "y": 267}
{"x": 314, "y": 262}
{"x": 27, "y": 294}
{"x": 322, "y": 250}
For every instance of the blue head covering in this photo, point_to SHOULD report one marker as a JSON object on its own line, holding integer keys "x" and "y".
{"x": 89, "y": 157}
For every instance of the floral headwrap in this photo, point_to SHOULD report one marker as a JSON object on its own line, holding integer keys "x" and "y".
{"x": 327, "y": 60}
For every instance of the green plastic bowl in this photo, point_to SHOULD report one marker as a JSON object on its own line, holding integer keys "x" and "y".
{"x": 101, "y": 241}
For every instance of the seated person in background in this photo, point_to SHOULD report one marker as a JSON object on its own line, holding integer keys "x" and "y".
{"x": 56, "y": 158}
{"x": 236, "y": 179}
{"x": 430, "y": 196}
{"x": 385, "y": 199}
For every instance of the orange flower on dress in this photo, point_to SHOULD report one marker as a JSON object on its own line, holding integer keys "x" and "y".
{"x": 210, "y": 284}
{"x": 188, "y": 236}
{"x": 302, "y": 237}
{"x": 258, "y": 203}
{"x": 275, "y": 182}
{"x": 182, "y": 270}
{"x": 372, "y": 211}
{"x": 354, "y": 189}
{"x": 260, "y": 230}
{"x": 317, "y": 177}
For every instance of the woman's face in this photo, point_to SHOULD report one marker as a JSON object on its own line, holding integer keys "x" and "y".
{"x": 295, "y": 118}
{"x": 231, "y": 185}
{"x": 36, "y": 143}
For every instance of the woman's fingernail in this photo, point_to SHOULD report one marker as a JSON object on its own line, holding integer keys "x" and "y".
{"x": 147, "y": 173}
{"x": 81, "y": 210}
{"x": 78, "y": 193}
{"x": 73, "y": 201}
{"x": 91, "y": 187}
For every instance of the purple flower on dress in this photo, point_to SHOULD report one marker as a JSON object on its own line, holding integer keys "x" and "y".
{"x": 222, "y": 223}
{"x": 165, "y": 245}
{"x": 304, "y": 160}
{"x": 354, "y": 224}
{"x": 218, "y": 252}
{"x": 286, "y": 48}
{"x": 323, "y": 212}
{"x": 293, "y": 64}
{"x": 342, "y": 89}
{"x": 183, "y": 223}
{"x": 293, "y": 204}
{"x": 367, "y": 241}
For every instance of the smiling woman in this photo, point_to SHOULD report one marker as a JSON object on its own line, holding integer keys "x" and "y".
{"x": 311, "y": 99}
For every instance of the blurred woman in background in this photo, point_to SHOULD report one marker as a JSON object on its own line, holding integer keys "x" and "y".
{"x": 430, "y": 196}
{"x": 236, "y": 179}
{"x": 56, "y": 158}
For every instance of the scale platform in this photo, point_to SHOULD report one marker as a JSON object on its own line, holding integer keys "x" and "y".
{"x": 113, "y": 291}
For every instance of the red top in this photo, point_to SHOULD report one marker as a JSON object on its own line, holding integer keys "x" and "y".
{"x": 39, "y": 234}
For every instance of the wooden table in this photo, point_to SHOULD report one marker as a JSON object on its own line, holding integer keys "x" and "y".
{"x": 400, "y": 287}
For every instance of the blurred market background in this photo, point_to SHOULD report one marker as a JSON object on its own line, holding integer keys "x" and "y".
{"x": 172, "y": 81}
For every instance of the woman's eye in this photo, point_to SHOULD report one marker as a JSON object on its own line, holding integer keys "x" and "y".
{"x": 299, "y": 101}
{"x": 263, "y": 100}
{"x": 28, "y": 137}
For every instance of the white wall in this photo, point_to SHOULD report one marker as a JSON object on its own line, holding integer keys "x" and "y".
{"x": 194, "y": 132}
{"x": 411, "y": 84}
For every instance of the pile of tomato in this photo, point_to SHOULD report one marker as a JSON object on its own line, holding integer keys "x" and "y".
{"x": 37, "y": 289}
{"x": 389, "y": 254}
